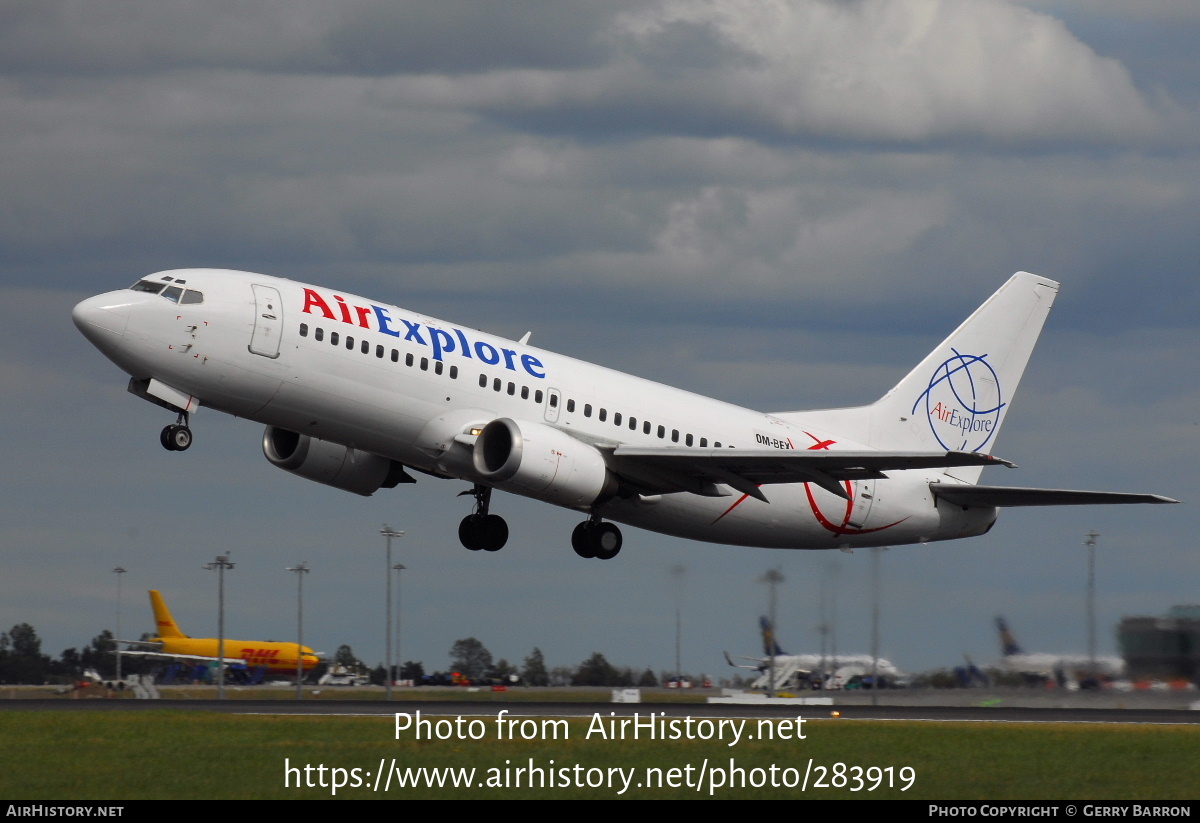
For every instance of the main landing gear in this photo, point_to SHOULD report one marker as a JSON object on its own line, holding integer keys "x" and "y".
{"x": 481, "y": 530}
{"x": 177, "y": 437}
{"x": 595, "y": 538}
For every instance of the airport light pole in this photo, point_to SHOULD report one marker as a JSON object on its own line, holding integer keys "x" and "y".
{"x": 300, "y": 571}
{"x": 399, "y": 569}
{"x": 677, "y": 574}
{"x": 220, "y": 565}
{"x": 772, "y": 578}
{"x": 118, "y": 571}
{"x": 388, "y": 532}
{"x": 1090, "y": 543}
{"x": 876, "y": 553}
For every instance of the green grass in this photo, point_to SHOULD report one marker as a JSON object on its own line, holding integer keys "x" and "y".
{"x": 181, "y": 755}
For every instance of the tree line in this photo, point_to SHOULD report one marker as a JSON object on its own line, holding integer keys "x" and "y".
{"x": 471, "y": 662}
{"x": 23, "y": 662}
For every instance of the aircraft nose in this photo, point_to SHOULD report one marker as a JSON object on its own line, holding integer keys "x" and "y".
{"x": 101, "y": 319}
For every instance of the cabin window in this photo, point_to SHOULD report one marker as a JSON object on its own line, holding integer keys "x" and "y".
{"x": 512, "y": 389}
{"x": 454, "y": 372}
{"x": 646, "y": 427}
{"x": 437, "y": 366}
{"x": 633, "y": 424}
{"x": 366, "y": 347}
{"x": 587, "y": 409}
{"x": 687, "y": 441}
{"x": 333, "y": 338}
{"x": 616, "y": 418}
{"x": 703, "y": 442}
{"x": 304, "y": 330}
{"x": 349, "y": 342}
{"x": 674, "y": 435}
{"x": 379, "y": 352}
{"x": 570, "y": 404}
{"x": 497, "y": 384}
{"x": 395, "y": 355}
{"x": 603, "y": 415}
{"x": 318, "y": 333}
{"x": 483, "y": 381}
{"x": 424, "y": 364}
{"x": 554, "y": 401}
{"x": 524, "y": 392}
{"x": 408, "y": 359}
{"x": 662, "y": 432}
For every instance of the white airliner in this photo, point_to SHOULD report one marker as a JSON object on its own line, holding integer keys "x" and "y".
{"x": 1043, "y": 665}
{"x": 354, "y": 393}
{"x": 798, "y": 671}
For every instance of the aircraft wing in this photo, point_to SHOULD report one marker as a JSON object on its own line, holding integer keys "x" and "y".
{"x": 701, "y": 471}
{"x": 229, "y": 661}
{"x": 758, "y": 660}
{"x": 968, "y": 496}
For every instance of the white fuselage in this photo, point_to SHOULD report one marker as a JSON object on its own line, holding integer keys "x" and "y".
{"x": 410, "y": 388}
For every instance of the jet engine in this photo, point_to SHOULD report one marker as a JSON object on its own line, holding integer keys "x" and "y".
{"x": 540, "y": 461}
{"x": 331, "y": 463}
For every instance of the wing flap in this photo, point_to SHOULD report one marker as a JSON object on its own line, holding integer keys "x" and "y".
{"x": 1009, "y": 496}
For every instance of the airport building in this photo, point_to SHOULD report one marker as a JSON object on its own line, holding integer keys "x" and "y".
{"x": 1166, "y": 648}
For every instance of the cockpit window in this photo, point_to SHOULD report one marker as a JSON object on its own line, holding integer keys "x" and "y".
{"x": 172, "y": 293}
{"x": 148, "y": 285}
{"x": 192, "y": 296}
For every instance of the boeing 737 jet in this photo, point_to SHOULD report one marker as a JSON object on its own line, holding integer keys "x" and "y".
{"x": 356, "y": 393}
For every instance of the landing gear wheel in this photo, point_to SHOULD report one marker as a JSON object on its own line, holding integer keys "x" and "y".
{"x": 481, "y": 530}
{"x": 175, "y": 438}
{"x": 487, "y": 532}
{"x": 181, "y": 438}
{"x": 581, "y": 540}
{"x": 608, "y": 541}
{"x": 468, "y": 532}
{"x": 494, "y": 532}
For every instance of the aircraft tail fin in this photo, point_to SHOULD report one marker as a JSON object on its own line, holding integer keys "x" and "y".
{"x": 1008, "y": 643}
{"x": 957, "y": 397}
{"x": 164, "y": 624}
{"x": 770, "y": 647}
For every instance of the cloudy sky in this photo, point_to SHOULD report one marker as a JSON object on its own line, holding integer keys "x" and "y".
{"x": 781, "y": 204}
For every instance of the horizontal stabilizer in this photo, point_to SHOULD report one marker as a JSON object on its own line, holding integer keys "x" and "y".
{"x": 1005, "y": 496}
{"x": 676, "y": 469}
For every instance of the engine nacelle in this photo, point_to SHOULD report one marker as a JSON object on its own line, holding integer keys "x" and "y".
{"x": 331, "y": 463}
{"x": 540, "y": 461}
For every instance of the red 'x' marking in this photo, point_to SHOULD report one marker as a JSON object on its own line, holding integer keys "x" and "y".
{"x": 820, "y": 445}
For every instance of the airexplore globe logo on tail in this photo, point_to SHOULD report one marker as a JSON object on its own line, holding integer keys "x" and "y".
{"x": 963, "y": 402}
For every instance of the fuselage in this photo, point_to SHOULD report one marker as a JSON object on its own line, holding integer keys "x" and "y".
{"x": 415, "y": 390}
{"x": 277, "y": 657}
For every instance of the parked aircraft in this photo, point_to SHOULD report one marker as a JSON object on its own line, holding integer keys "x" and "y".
{"x": 833, "y": 671}
{"x": 355, "y": 393}
{"x": 1056, "y": 666}
{"x": 172, "y": 644}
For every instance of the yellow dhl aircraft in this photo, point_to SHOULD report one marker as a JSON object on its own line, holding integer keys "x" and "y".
{"x": 173, "y": 644}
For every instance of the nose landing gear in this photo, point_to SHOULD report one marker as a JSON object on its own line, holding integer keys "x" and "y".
{"x": 177, "y": 437}
{"x": 481, "y": 530}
